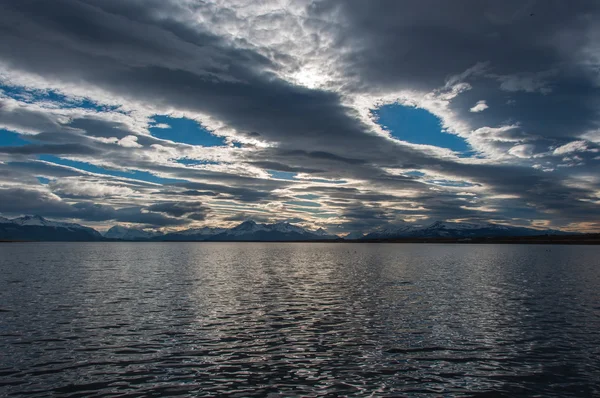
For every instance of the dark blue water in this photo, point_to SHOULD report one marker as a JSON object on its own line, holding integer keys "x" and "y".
{"x": 248, "y": 319}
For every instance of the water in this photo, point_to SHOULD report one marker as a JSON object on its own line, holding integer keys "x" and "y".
{"x": 249, "y": 319}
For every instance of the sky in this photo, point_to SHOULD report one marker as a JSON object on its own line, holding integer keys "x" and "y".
{"x": 347, "y": 115}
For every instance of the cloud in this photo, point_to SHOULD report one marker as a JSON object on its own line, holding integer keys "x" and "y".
{"x": 575, "y": 146}
{"x": 40, "y": 202}
{"x": 522, "y": 151}
{"x": 57, "y": 149}
{"x": 527, "y": 82}
{"x": 291, "y": 89}
{"x": 480, "y": 106}
{"x": 88, "y": 188}
{"x": 178, "y": 209}
{"x": 130, "y": 141}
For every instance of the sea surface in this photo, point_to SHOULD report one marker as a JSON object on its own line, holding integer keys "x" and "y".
{"x": 299, "y": 319}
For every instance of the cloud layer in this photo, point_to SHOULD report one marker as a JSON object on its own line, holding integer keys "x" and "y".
{"x": 290, "y": 90}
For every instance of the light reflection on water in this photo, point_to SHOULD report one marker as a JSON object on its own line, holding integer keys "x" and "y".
{"x": 249, "y": 319}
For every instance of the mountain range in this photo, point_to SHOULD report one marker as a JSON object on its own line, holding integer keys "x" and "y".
{"x": 36, "y": 228}
{"x": 123, "y": 233}
{"x": 250, "y": 231}
{"x": 441, "y": 229}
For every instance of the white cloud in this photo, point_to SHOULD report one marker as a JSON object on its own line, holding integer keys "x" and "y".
{"x": 480, "y": 106}
{"x": 106, "y": 140}
{"x": 161, "y": 126}
{"x": 593, "y": 136}
{"x": 575, "y": 146}
{"x": 92, "y": 188}
{"x": 524, "y": 151}
{"x": 129, "y": 142}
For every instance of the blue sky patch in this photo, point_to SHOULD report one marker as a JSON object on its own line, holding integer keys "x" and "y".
{"x": 303, "y": 203}
{"x": 34, "y": 96}
{"x": 194, "y": 162}
{"x": 8, "y": 138}
{"x": 309, "y": 196}
{"x": 324, "y": 181}
{"x": 184, "y": 130}
{"x": 415, "y": 174}
{"x": 417, "y": 126}
{"x": 133, "y": 174}
{"x": 449, "y": 183}
{"x": 282, "y": 175}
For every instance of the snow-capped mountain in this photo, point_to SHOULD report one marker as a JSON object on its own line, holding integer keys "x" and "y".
{"x": 37, "y": 228}
{"x": 392, "y": 231}
{"x": 285, "y": 227}
{"x": 250, "y": 231}
{"x": 354, "y": 236}
{"x": 205, "y": 231}
{"x": 40, "y": 221}
{"x": 322, "y": 232}
{"x": 282, "y": 231}
{"x": 124, "y": 233}
{"x": 198, "y": 234}
{"x": 245, "y": 228}
{"x": 441, "y": 229}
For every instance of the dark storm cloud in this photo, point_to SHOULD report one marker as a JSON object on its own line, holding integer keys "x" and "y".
{"x": 27, "y": 120}
{"x": 59, "y": 149}
{"x": 363, "y": 217}
{"x": 240, "y": 193}
{"x": 389, "y": 42}
{"x": 177, "y": 209}
{"x": 163, "y": 62}
{"x": 186, "y": 193}
{"x": 244, "y": 97}
{"x": 519, "y": 52}
{"x": 320, "y": 155}
{"x": 197, "y": 216}
{"x": 100, "y": 128}
{"x": 22, "y": 170}
{"x": 49, "y": 205}
{"x": 32, "y": 202}
{"x": 243, "y": 216}
{"x": 283, "y": 167}
{"x": 98, "y": 212}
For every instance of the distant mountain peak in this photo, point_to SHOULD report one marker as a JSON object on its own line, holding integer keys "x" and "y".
{"x": 449, "y": 229}
{"x": 437, "y": 224}
{"x": 129, "y": 233}
{"x": 354, "y": 236}
{"x": 250, "y": 230}
{"x": 35, "y": 220}
{"x": 33, "y": 217}
{"x": 37, "y": 228}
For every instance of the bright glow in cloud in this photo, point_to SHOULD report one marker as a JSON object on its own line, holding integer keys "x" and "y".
{"x": 268, "y": 109}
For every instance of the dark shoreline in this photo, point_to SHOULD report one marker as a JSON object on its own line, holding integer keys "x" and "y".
{"x": 583, "y": 239}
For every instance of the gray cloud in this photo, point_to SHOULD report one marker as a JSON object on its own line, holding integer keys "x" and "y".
{"x": 178, "y": 209}
{"x": 156, "y": 56}
{"x": 40, "y": 202}
{"x": 59, "y": 149}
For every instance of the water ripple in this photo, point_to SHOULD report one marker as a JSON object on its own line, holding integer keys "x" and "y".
{"x": 250, "y": 319}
